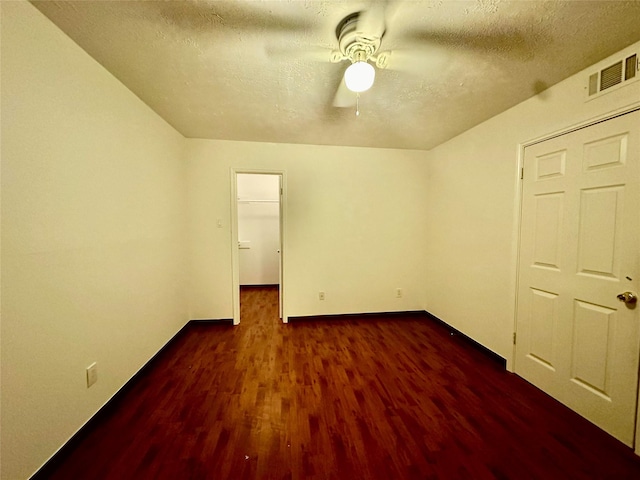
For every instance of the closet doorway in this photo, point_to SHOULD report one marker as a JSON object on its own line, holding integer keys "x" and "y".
{"x": 257, "y": 243}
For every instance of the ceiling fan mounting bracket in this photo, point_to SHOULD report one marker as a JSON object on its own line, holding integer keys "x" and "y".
{"x": 354, "y": 45}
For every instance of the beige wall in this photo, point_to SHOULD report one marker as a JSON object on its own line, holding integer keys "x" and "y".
{"x": 93, "y": 203}
{"x": 353, "y": 226}
{"x": 472, "y": 210}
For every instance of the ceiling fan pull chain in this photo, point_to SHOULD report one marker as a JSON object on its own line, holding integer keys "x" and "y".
{"x": 357, "y": 104}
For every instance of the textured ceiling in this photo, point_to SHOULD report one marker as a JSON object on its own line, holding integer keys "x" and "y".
{"x": 260, "y": 70}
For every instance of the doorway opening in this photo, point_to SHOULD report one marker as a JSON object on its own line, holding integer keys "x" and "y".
{"x": 257, "y": 243}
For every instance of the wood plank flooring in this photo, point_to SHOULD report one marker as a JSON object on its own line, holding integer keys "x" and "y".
{"x": 357, "y": 398}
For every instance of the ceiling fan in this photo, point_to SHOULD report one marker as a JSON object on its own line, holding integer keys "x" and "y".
{"x": 359, "y": 39}
{"x": 359, "y": 36}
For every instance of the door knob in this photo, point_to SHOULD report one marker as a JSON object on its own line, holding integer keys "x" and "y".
{"x": 629, "y": 298}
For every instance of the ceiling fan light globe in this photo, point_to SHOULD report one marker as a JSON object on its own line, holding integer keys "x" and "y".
{"x": 359, "y": 76}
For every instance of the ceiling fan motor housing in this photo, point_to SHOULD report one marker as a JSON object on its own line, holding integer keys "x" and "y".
{"x": 355, "y": 45}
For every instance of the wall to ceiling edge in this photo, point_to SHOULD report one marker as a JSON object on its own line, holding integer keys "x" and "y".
{"x": 472, "y": 210}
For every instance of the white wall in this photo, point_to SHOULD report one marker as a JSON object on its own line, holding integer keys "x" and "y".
{"x": 351, "y": 230}
{"x": 472, "y": 213}
{"x": 255, "y": 186}
{"x": 258, "y": 229}
{"x": 93, "y": 203}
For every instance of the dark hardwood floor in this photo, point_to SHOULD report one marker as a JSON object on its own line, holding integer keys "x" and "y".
{"x": 356, "y": 398}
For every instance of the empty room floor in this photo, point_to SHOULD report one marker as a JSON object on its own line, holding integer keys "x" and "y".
{"x": 359, "y": 397}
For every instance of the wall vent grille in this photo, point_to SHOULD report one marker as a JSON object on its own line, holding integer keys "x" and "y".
{"x": 620, "y": 72}
{"x": 611, "y": 76}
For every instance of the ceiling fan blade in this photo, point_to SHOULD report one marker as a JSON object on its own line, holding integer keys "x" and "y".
{"x": 309, "y": 53}
{"x": 503, "y": 42}
{"x": 344, "y": 97}
{"x": 416, "y": 61}
{"x": 372, "y": 21}
{"x": 195, "y": 15}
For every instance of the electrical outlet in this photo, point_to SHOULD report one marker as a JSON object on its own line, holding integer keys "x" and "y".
{"x": 320, "y": 295}
{"x": 92, "y": 374}
{"x": 398, "y": 293}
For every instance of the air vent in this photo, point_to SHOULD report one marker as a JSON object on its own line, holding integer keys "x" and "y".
{"x": 616, "y": 74}
{"x": 611, "y": 76}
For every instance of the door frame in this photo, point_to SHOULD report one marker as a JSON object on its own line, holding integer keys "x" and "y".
{"x": 235, "y": 263}
{"x": 517, "y": 237}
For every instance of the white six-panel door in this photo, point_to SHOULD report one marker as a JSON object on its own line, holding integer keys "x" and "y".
{"x": 580, "y": 248}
